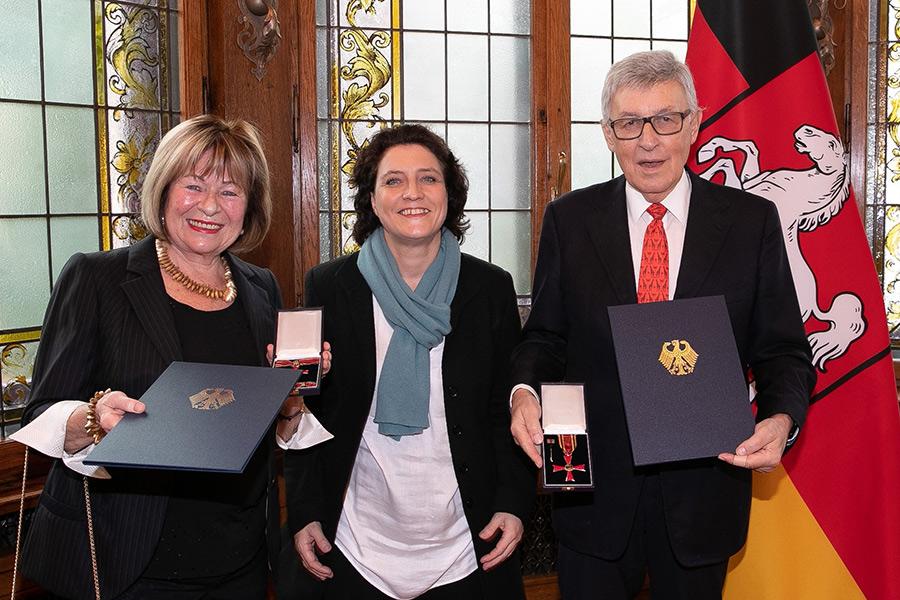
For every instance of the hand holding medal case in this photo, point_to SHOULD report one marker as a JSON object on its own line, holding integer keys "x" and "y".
{"x": 298, "y": 346}
{"x": 566, "y": 450}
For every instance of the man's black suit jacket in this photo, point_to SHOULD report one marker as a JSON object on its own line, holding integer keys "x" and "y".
{"x": 492, "y": 473}
{"x": 109, "y": 325}
{"x": 733, "y": 246}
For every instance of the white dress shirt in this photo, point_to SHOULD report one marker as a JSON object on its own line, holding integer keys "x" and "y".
{"x": 402, "y": 526}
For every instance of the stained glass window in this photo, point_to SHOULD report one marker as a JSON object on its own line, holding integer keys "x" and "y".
{"x": 86, "y": 88}
{"x": 882, "y": 204}
{"x": 601, "y": 34}
{"x": 456, "y": 67}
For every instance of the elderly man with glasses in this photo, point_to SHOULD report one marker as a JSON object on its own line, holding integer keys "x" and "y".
{"x": 657, "y": 233}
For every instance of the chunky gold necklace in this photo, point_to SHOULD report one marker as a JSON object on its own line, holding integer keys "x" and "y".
{"x": 228, "y": 293}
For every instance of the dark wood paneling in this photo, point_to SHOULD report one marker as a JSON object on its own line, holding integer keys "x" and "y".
{"x": 235, "y": 92}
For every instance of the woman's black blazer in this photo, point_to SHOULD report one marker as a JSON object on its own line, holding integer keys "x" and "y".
{"x": 109, "y": 325}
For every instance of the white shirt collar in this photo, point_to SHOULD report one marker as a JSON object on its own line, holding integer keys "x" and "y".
{"x": 676, "y": 202}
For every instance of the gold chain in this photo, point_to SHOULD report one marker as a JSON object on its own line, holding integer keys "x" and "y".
{"x": 228, "y": 293}
{"x": 90, "y": 524}
{"x": 12, "y": 594}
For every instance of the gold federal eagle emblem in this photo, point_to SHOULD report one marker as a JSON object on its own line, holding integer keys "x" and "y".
{"x": 678, "y": 357}
{"x": 211, "y": 398}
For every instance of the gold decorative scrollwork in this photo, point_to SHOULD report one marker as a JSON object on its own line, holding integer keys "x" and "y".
{"x": 131, "y": 161}
{"x": 17, "y": 370}
{"x": 368, "y": 73}
{"x": 348, "y": 220}
{"x": 362, "y": 99}
{"x": 261, "y": 34}
{"x": 824, "y": 29}
{"x": 132, "y": 58}
{"x": 129, "y": 229}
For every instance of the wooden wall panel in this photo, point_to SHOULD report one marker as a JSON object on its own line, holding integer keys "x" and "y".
{"x": 234, "y": 91}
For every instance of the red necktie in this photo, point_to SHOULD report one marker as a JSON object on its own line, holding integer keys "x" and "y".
{"x": 653, "y": 282}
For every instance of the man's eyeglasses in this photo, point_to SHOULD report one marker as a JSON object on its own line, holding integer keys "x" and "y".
{"x": 631, "y": 128}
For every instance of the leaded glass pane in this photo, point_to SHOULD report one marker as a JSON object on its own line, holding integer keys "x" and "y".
{"x": 20, "y": 52}
{"x": 510, "y": 16}
{"x": 623, "y": 48}
{"x": 470, "y": 143}
{"x": 510, "y": 166}
{"x": 132, "y": 141}
{"x": 679, "y": 49}
{"x": 467, "y": 77}
{"x": 132, "y": 56}
{"x": 424, "y": 14}
{"x": 510, "y": 79}
{"x": 423, "y": 76}
{"x": 365, "y": 13}
{"x": 24, "y": 271}
{"x": 69, "y": 235}
{"x": 365, "y": 73}
{"x": 511, "y": 246}
{"x": 589, "y": 17}
{"x": 17, "y": 362}
{"x": 893, "y": 20}
{"x": 67, "y": 51}
{"x": 173, "y": 67}
{"x": 631, "y": 18}
{"x": 591, "y": 159}
{"x": 892, "y": 266}
{"x": 590, "y": 60}
{"x": 21, "y": 159}
{"x": 323, "y": 77}
{"x": 71, "y": 159}
{"x": 477, "y": 242}
{"x": 467, "y": 16}
{"x": 670, "y": 19}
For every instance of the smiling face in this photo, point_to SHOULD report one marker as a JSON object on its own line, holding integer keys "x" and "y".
{"x": 410, "y": 197}
{"x": 204, "y": 213}
{"x": 652, "y": 163}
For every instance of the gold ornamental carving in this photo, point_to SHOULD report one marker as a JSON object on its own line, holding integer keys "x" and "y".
{"x": 261, "y": 34}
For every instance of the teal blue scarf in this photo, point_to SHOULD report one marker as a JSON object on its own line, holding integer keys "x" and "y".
{"x": 420, "y": 319}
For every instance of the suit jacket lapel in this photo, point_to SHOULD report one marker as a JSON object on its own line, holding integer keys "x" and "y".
{"x": 145, "y": 291}
{"x": 608, "y": 230}
{"x": 257, "y": 305}
{"x": 357, "y": 298}
{"x": 709, "y": 219}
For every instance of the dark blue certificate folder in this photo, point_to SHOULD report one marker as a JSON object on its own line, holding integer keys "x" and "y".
{"x": 199, "y": 417}
{"x": 682, "y": 383}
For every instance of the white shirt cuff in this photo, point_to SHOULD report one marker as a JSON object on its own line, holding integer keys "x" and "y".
{"x": 523, "y": 386}
{"x": 308, "y": 434}
{"x": 47, "y": 435}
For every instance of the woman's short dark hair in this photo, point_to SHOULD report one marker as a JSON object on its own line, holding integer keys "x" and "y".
{"x": 365, "y": 172}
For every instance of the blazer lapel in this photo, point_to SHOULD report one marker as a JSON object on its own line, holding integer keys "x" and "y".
{"x": 608, "y": 231}
{"x": 145, "y": 291}
{"x": 709, "y": 219}
{"x": 257, "y": 305}
{"x": 357, "y": 296}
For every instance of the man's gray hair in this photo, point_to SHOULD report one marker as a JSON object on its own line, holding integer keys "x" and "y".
{"x": 643, "y": 70}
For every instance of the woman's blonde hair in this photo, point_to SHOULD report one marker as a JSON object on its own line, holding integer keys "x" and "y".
{"x": 232, "y": 145}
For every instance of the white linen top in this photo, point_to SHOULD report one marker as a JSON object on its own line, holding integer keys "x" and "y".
{"x": 402, "y": 526}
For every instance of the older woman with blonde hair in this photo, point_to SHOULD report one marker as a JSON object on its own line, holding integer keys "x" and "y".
{"x": 115, "y": 321}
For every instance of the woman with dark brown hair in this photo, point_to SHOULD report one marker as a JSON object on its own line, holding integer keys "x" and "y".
{"x": 422, "y": 493}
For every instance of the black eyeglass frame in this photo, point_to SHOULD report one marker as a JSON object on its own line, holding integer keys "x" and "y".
{"x": 645, "y": 120}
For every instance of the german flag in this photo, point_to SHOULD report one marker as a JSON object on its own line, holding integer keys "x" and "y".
{"x": 826, "y": 524}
